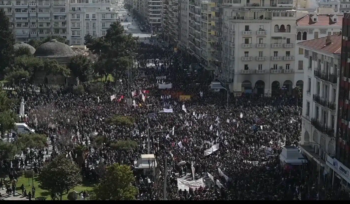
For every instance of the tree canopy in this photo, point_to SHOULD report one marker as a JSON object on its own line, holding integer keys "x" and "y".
{"x": 124, "y": 145}
{"x": 7, "y": 42}
{"x": 25, "y": 67}
{"x": 120, "y": 120}
{"x": 60, "y": 176}
{"x": 116, "y": 184}
{"x": 115, "y": 51}
{"x": 81, "y": 67}
{"x": 7, "y": 116}
{"x": 35, "y": 141}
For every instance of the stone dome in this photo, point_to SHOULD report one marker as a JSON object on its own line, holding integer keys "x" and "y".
{"x": 24, "y": 45}
{"x": 54, "y": 49}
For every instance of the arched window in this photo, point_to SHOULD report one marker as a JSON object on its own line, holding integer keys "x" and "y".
{"x": 276, "y": 28}
{"x": 299, "y": 36}
{"x": 304, "y": 35}
{"x": 282, "y": 28}
{"x": 288, "y": 29}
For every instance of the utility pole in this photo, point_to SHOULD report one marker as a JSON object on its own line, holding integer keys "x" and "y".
{"x": 148, "y": 137}
{"x": 165, "y": 178}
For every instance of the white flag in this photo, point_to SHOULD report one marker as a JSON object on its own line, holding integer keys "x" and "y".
{"x": 180, "y": 144}
{"x": 113, "y": 97}
{"x": 241, "y": 115}
{"x": 173, "y": 131}
{"x": 143, "y": 98}
{"x": 211, "y": 127}
{"x": 184, "y": 108}
{"x": 193, "y": 170}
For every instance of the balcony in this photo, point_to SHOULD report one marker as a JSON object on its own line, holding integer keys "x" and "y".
{"x": 260, "y": 71}
{"x": 246, "y": 32}
{"x": 276, "y": 45}
{"x": 288, "y": 58}
{"x": 246, "y": 45}
{"x": 261, "y": 32}
{"x": 260, "y": 58}
{"x": 260, "y": 45}
{"x": 288, "y": 45}
{"x": 276, "y": 71}
{"x": 246, "y": 58}
{"x": 326, "y": 77}
{"x": 323, "y": 102}
{"x": 322, "y": 127}
{"x": 276, "y": 58}
{"x": 247, "y": 71}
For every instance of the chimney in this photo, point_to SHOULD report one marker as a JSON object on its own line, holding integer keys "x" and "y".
{"x": 328, "y": 40}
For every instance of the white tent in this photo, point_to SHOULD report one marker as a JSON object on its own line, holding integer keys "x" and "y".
{"x": 291, "y": 155}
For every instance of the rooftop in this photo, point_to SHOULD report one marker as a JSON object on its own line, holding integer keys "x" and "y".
{"x": 54, "y": 49}
{"x": 320, "y": 44}
{"x": 322, "y": 20}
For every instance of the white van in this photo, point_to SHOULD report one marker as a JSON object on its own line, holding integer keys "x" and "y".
{"x": 22, "y": 128}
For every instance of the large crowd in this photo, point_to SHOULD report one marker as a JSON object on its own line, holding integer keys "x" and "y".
{"x": 244, "y": 139}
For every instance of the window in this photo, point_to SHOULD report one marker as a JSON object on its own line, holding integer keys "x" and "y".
{"x": 287, "y": 66}
{"x": 301, "y": 51}
{"x": 318, "y": 87}
{"x": 275, "y": 53}
{"x": 329, "y": 33}
{"x": 299, "y": 36}
{"x": 288, "y": 40}
{"x": 246, "y": 67}
{"x": 310, "y": 62}
{"x": 103, "y": 16}
{"x": 275, "y": 66}
{"x": 308, "y": 108}
{"x": 288, "y": 53}
{"x": 308, "y": 84}
{"x": 261, "y": 40}
{"x": 334, "y": 95}
{"x": 78, "y": 16}
{"x": 87, "y": 16}
{"x": 315, "y": 35}
{"x": 316, "y": 112}
{"x": 332, "y": 121}
{"x": 300, "y": 65}
{"x": 246, "y": 40}
{"x": 260, "y": 67}
{"x": 304, "y": 35}
{"x": 246, "y": 28}
{"x": 261, "y": 27}
{"x": 93, "y": 16}
{"x": 261, "y": 53}
{"x": 246, "y": 54}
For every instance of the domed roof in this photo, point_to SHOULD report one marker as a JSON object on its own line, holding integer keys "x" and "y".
{"x": 24, "y": 45}
{"x": 53, "y": 48}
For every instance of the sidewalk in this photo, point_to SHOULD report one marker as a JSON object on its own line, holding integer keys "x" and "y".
{"x": 5, "y": 196}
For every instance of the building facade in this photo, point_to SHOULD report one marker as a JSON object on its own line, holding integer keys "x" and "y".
{"x": 258, "y": 46}
{"x": 70, "y": 19}
{"x": 313, "y": 26}
{"x": 320, "y": 98}
{"x": 333, "y": 4}
{"x": 184, "y": 24}
{"x": 340, "y": 164}
{"x": 171, "y": 22}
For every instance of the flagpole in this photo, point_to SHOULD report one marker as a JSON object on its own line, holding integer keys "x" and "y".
{"x": 165, "y": 178}
{"x": 148, "y": 137}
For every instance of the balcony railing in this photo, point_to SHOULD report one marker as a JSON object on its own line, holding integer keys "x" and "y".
{"x": 244, "y": 45}
{"x": 322, "y": 127}
{"x": 246, "y": 32}
{"x": 260, "y": 32}
{"x": 247, "y": 58}
{"x": 327, "y": 77}
{"x": 260, "y": 58}
{"x": 260, "y": 45}
{"x": 323, "y": 102}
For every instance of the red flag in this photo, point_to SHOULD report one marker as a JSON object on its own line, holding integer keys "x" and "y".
{"x": 121, "y": 98}
{"x": 145, "y": 91}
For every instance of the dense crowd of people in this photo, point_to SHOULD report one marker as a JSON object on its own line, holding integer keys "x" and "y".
{"x": 231, "y": 151}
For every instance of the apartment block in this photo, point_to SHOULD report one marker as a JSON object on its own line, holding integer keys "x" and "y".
{"x": 71, "y": 19}
{"x": 320, "y": 100}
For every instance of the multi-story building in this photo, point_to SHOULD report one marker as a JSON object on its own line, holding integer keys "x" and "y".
{"x": 152, "y": 11}
{"x": 184, "y": 24}
{"x": 340, "y": 164}
{"x": 333, "y": 4}
{"x": 313, "y": 26}
{"x": 170, "y": 22}
{"x": 73, "y": 19}
{"x": 320, "y": 99}
{"x": 258, "y": 46}
{"x": 344, "y": 6}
